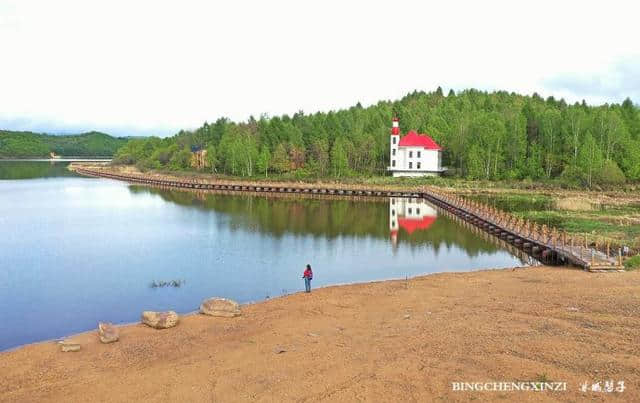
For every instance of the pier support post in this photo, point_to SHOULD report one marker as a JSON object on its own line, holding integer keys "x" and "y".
{"x": 619, "y": 256}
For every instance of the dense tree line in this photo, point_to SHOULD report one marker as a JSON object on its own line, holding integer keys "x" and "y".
{"x": 485, "y": 135}
{"x": 28, "y": 144}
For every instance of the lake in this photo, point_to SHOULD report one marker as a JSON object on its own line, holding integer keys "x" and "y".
{"x": 76, "y": 250}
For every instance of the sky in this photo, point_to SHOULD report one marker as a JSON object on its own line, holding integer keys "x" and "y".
{"x": 140, "y": 67}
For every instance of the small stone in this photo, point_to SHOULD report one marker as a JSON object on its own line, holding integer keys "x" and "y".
{"x": 160, "y": 320}
{"x": 108, "y": 333}
{"x": 220, "y": 307}
{"x": 67, "y": 346}
{"x": 407, "y": 316}
{"x": 313, "y": 334}
{"x": 279, "y": 350}
{"x": 572, "y": 309}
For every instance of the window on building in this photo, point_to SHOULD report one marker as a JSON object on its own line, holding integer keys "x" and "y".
{"x": 418, "y": 167}
{"x": 418, "y": 211}
{"x": 393, "y": 212}
{"x": 410, "y": 154}
{"x": 393, "y": 163}
{"x": 393, "y": 201}
{"x": 409, "y": 210}
{"x": 394, "y": 139}
{"x": 393, "y": 223}
{"x": 418, "y": 154}
{"x": 393, "y": 152}
{"x": 410, "y": 164}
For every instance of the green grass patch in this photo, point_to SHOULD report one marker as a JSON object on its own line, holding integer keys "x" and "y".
{"x": 514, "y": 202}
{"x": 632, "y": 263}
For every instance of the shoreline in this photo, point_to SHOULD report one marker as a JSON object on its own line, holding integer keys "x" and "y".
{"x": 379, "y": 182}
{"x": 55, "y": 340}
{"x": 390, "y": 340}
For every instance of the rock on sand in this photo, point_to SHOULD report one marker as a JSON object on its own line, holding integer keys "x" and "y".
{"x": 160, "y": 320}
{"x": 220, "y": 307}
{"x": 68, "y": 346}
{"x": 108, "y": 333}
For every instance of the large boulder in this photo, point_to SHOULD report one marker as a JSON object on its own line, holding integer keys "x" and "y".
{"x": 220, "y": 307}
{"x": 108, "y": 333}
{"x": 160, "y": 320}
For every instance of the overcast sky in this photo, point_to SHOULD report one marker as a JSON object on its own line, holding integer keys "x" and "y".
{"x": 153, "y": 67}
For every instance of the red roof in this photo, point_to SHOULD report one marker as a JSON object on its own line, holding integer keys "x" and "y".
{"x": 412, "y": 224}
{"x": 413, "y": 139}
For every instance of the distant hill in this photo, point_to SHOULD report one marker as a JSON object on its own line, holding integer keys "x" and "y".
{"x": 28, "y": 144}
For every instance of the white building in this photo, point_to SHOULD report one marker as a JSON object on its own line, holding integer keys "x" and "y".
{"x": 414, "y": 154}
{"x": 410, "y": 215}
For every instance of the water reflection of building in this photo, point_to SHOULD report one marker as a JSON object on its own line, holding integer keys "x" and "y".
{"x": 410, "y": 214}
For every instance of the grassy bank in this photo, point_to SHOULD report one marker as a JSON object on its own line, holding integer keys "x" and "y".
{"x": 612, "y": 217}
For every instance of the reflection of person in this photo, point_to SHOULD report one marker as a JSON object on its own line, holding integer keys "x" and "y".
{"x": 307, "y": 276}
{"x": 625, "y": 250}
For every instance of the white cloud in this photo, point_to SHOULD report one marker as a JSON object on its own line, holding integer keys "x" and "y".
{"x": 619, "y": 81}
{"x": 156, "y": 66}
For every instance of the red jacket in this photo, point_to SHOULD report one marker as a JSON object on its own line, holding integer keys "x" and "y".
{"x": 308, "y": 273}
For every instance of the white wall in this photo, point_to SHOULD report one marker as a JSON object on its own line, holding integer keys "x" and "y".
{"x": 428, "y": 159}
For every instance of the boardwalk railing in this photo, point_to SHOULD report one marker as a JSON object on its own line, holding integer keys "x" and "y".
{"x": 546, "y": 244}
{"x": 550, "y": 244}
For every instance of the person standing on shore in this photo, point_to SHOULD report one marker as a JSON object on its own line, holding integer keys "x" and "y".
{"x": 307, "y": 276}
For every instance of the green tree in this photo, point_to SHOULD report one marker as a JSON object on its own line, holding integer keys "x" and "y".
{"x": 339, "y": 160}
{"x": 590, "y": 159}
{"x": 281, "y": 161}
{"x": 212, "y": 158}
{"x": 180, "y": 160}
{"x": 264, "y": 160}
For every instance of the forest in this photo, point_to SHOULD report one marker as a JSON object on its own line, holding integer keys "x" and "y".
{"x": 15, "y": 144}
{"x": 485, "y": 135}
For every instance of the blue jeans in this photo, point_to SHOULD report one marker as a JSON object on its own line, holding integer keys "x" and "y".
{"x": 307, "y": 284}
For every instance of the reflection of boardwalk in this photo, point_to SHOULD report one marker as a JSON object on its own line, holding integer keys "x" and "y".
{"x": 547, "y": 245}
{"x": 522, "y": 255}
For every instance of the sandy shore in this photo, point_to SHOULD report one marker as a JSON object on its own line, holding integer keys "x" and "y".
{"x": 384, "y": 341}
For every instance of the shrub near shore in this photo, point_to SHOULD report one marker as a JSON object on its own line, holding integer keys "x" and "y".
{"x": 632, "y": 263}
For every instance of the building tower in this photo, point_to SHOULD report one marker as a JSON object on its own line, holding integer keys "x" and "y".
{"x": 395, "y": 139}
{"x": 394, "y": 204}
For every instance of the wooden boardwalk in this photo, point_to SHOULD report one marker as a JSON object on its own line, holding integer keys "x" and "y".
{"x": 545, "y": 244}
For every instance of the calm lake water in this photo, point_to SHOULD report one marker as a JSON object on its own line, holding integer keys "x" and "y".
{"x": 76, "y": 250}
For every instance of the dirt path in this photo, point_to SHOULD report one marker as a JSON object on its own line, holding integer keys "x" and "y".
{"x": 386, "y": 341}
